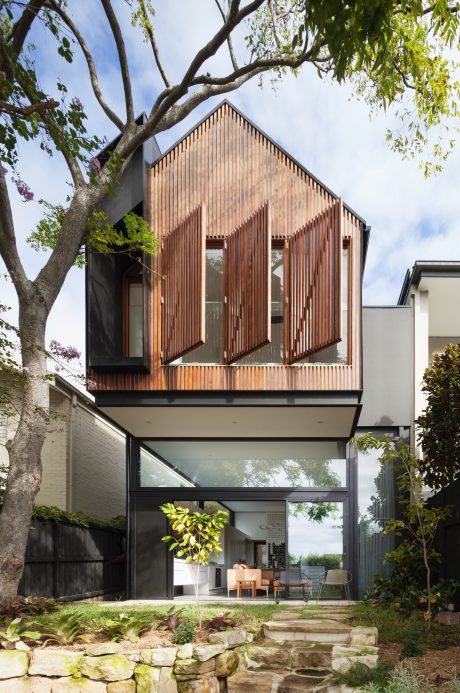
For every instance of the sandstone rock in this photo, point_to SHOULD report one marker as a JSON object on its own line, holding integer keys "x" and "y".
{"x": 343, "y": 658}
{"x": 107, "y": 668}
{"x": 168, "y": 683}
{"x": 294, "y": 683}
{"x": 231, "y": 638}
{"x": 190, "y": 668}
{"x": 23, "y": 646}
{"x": 77, "y": 685}
{"x": 260, "y": 682}
{"x": 209, "y": 685}
{"x": 448, "y": 618}
{"x": 267, "y": 656}
{"x": 185, "y": 652}
{"x": 34, "y": 684}
{"x": 98, "y": 649}
{"x": 147, "y": 679}
{"x": 205, "y": 652}
{"x": 13, "y": 663}
{"x": 227, "y": 663}
{"x": 159, "y": 657}
{"x": 307, "y": 656}
{"x": 55, "y": 662}
{"x": 122, "y": 687}
{"x": 361, "y": 636}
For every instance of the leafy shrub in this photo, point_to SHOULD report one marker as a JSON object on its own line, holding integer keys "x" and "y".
{"x": 27, "y": 606}
{"x": 66, "y": 630}
{"x": 359, "y": 675}
{"x": 217, "y": 623}
{"x": 171, "y": 620}
{"x": 330, "y": 561}
{"x": 185, "y": 632}
{"x": 51, "y": 513}
{"x": 412, "y": 641}
{"x": 18, "y": 630}
{"x": 126, "y": 626}
{"x": 403, "y": 679}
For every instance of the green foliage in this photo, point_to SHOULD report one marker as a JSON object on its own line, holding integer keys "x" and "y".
{"x": 18, "y": 630}
{"x": 403, "y": 679}
{"x": 125, "y": 626}
{"x": 131, "y": 237}
{"x": 50, "y": 513}
{"x": 196, "y": 535}
{"x": 66, "y": 629}
{"x": 412, "y": 641}
{"x": 439, "y": 425}
{"x": 359, "y": 675}
{"x": 316, "y": 512}
{"x": 418, "y": 523}
{"x": 183, "y": 634}
{"x": 330, "y": 561}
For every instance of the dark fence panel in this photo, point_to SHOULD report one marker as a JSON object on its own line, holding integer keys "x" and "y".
{"x": 448, "y": 536}
{"x": 72, "y": 562}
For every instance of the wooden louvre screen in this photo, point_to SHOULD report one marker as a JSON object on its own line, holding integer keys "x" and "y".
{"x": 183, "y": 297}
{"x": 313, "y": 285}
{"x": 247, "y": 286}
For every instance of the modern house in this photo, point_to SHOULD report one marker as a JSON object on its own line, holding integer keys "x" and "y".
{"x": 83, "y": 456}
{"x": 241, "y": 363}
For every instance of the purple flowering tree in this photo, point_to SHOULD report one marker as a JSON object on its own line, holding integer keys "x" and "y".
{"x": 387, "y": 46}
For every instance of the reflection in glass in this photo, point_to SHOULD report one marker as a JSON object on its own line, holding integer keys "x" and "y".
{"x": 211, "y": 351}
{"x": 315, "y": 544}
{"x": 154, "y": 472}
{"x": 135, "y": 319}
{"x": 255, "y": 463}
{"x": 376, "y": 504}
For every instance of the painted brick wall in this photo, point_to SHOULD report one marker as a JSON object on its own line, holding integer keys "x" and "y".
{"x": 98, "y": 467}
{"x": 53, "y": 490}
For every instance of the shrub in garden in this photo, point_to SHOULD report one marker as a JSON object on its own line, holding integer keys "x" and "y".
{"x": 66, "y": 630}
{"x": 183, "y": 634}
{"x": 171, "y": 620}
{"x": 218, "y": 623}
{"x": 16, "y": 631}
{"x": 126, "y": 626}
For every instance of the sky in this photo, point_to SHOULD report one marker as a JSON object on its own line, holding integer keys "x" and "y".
{"x": 319, "y": 122}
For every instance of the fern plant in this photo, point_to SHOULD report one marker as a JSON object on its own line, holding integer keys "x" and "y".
{"x": 126, "y": 627}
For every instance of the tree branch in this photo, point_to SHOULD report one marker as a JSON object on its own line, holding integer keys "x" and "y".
{"x": 229, "y": 40}
{"x": 25, "y": 111}
{"x": 90, "y": 63}
{"x": 150, "y": 32}
{"x": 120, "y": 46}
{"x": 22, "y": 27}
{"x": 8, "y": 247}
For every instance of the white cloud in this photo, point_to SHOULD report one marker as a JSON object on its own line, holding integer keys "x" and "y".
{"x": 316, "y": 121}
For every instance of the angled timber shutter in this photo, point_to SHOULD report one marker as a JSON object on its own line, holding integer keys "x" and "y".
{"x": 313, "y": 286}
{"x": 183, "y": 297}
{"x": 247, "y": 286}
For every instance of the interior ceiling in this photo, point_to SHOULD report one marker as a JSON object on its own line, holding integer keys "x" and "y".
{"x": 444, "y": 299}
{"x": 234, "y": 422}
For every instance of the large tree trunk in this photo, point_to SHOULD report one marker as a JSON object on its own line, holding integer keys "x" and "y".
{"x": 24, "y": 475}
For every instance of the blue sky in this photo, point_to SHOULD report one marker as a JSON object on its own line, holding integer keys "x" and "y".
{"x": 317, "y": 121}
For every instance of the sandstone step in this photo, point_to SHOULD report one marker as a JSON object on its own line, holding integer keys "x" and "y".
{"x": 311, "y": 630}
{"x": 287, "y": 615}
{"x": 298, "y": 683}
{"x": 270, "y": 654}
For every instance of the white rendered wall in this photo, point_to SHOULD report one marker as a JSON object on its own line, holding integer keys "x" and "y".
{"x": 421, "y": 355}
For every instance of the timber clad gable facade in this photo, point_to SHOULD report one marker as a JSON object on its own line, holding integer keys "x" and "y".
{"x": 227, "y": 185}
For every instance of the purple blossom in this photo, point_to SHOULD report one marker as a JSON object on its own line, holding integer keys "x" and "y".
{"x": 3, "y": 171}
{"x": 94, "y": 165}
{"x": 91, "y": 383}
{"x": 24, "y": 190}
{"x": 76, "y": 102}
{"x": 67, "y": 353}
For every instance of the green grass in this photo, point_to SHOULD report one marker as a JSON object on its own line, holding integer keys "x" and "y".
{"x": 93, "y": 614}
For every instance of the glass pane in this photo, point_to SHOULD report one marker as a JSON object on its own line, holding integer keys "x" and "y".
{"x": 337, "y": 353}
{"x": 136, "y": 320}
{"x": 376, "y": 504}
{"x": 211, "y": 351}
{"x": 255, "y": 463}
{"x": 154, "y": 472}
{"x": 273, "y": 352}
{"x": 315, "y": 545}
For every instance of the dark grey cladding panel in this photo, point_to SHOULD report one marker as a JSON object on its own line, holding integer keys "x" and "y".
{"x": 130, "y": 192}
{"x": 387, "y": 366}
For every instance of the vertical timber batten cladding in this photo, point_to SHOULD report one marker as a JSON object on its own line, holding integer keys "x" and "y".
{"x": 313, "y": 285}
{"x": 232, "y": 168}
{"x": 247, "y": 286}
{"x": 183, "y": 282}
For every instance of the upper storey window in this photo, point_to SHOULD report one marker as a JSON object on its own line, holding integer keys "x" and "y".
{"x": 133, "y": 311}
{"x": 251, "y": 300}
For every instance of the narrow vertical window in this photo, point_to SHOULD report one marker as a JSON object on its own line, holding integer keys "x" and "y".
{"x": 133, "y": 300}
